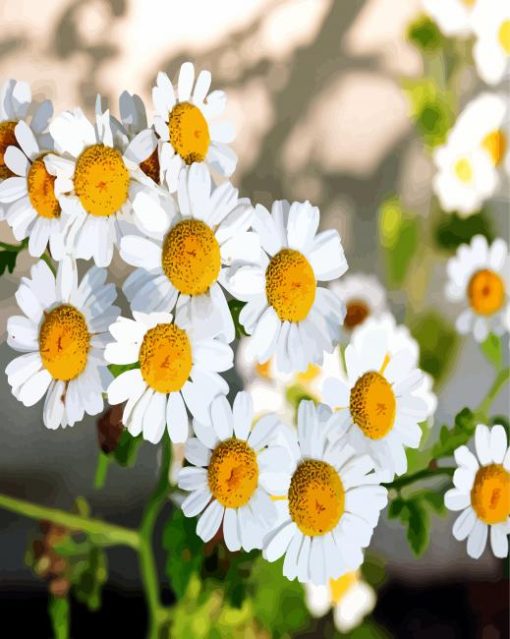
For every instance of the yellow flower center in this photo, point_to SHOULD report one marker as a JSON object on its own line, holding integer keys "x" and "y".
{"x": 7, "y": 138}
{"x": 490, "y": 495}
{"x": 373, "y": 405}
{"x": 495, "y": 145}
{"x": 191, "y": 257}
{"x": 311, "y": 373}
{"x": 64, "y": 342}
{"x": 469, "y": 3}
{"x": 357, "y": 313}
{"x": 166, "y": 358}
{"x": 504, "y": 36}
{"x": 101, "y": 180}
{"x": 41, "y": 191}
{"x": 316, "y": 497}
{"x": 463, "y": 170}
{"x": 264, "y": 369}
{"x": 290, "y": 285}
{"x": 150, "y": 166}
{"x": 486, "y": 292}
{"x": 338, "y": 587}
{"x": 233, "y": 473}
{"x": 189, "y": 132}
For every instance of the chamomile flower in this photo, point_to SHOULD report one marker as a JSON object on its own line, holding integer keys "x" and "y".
{"x": 479, "y": 277}
{"x": 381, "y": 398}
{"x": 287, "y": 314}
{"x": 491, "y": 25}
{"x": 232, "y": 464}
{"x": 186, "y": 121}
{"x": 453, "y": 17}
{"x": 97, "y": 179}
{"x": 331, "y": 505}
{"x": 185, "y": 264}
{"x": 363, "y": 296}
{"x": 63, "y": 333}
{"x": 176, "y": 368}
{"x": 482, "y": 492}
{"x": 351, "y": 598}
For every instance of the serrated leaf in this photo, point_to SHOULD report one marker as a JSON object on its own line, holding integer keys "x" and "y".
{"x": 185, "y": 551}
{"x": 453, "y": 230}
{"x": 236, "y": 306}
{"x": 59, "y": 612}
{"x": 493, "y": 350}
{"x": 438, "y": 342}
{"x": 451, "y": 438}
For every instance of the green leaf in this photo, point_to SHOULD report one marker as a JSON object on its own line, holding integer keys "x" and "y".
{"x": 451, "y": 438}
{"x": 430, "y": 109}
{"x": 425, "y": 35}
{"x": 60, "y": 615}
{"x": 235, "y": 582}
{"x": 433, "y": 498}
{"x": 127, "y": 449}
{"x": 236, "y": 306}
{"x": 399, "y": 237}
{"x": 118, "y": 369}
{"x": 493, "y": 350}
{"x": 418, "y": 526}
{"x": 9, "y": 254}
{"x": 185, "y": 551}
{"x": 89, "y": 576}
{"x": 453, "y": 230}
{"x": 438, "y": 342}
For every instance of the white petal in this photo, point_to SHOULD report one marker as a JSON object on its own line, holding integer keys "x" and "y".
{"x": 477, "y": 539}
{"x": 177, "y": 418}
{"x": 242, "y": 411}
{"x": 456, "y": 500}
{"x": 34, "y": 388}
{"x": 154, "y": 419}
{"x": 140, "y": 251}
{"x": 464, "y": 524}
{"x": 277, "y": 542}
{"x": 222, "y": 419}
{"x": 196, "y": 502}
{"x": 498, "y": 443}
{"x": 482, "y": 444}
{"x": 210, "y": 521}
{"x": 499, "y": 541}
{"x": 231, "y": 530}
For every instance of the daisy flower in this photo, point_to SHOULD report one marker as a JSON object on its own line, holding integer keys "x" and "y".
{"x": 351, "y": 598}
{"x": 380, "y": 398}
{"x": 453, "y": 17}
{"x": 331, "y": 506}
{"x": 363, "y": 296}
{"x": 287, "y": 313}
{"x": 186, "y": 122}
{"x": 232, "y": 464}
{"x": 175, "y": 368}
{"x": 185, "y": 264}
{"x": 479, "y": 276}
{"x": 96, "y": 183}
{"x": 63, "y": 333}
{"x": 482, "y": 492}
{"x": 491, "y": 24}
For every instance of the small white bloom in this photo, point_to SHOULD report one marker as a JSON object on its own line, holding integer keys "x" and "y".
{"x": 453, "y": 17}
{"x": 363, "y": 296}
{"x": 490, "y": 22}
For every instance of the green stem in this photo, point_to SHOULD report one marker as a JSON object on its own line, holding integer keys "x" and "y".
{"x": 425, "y": 473}
{"x": 103, "y": 461}
{"x": 158, "y": 615}
{"x": 106, "y": 534}
{"x": 483, "y": 409}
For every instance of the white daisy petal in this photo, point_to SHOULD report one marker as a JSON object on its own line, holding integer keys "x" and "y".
{"x": 210, "y": 521}
{"x": 477, "y": 539}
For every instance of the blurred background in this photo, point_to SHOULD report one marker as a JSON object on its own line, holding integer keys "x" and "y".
{"x": 315, "y": 90}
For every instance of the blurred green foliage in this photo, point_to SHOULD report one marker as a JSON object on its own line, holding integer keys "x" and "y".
{"x": 185, "y": 551}
{"x": 451, "y": 438}
{"x": 425, "y": 35}
{"x": 452, "y": 230}
{"x": 430, "y": 109}
{"x": 492, "y": 348}
{"x": 398, "y": 232}
{"x": 438, "y": 342}
{"x": 58, "y": 609}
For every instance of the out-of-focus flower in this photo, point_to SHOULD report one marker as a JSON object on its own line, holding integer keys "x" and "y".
{"x": 186, "y": 122}
{"x": 363, "y": 296}
{"x": 452, "y": 16}
{"x": 233, "y": 465}
{"x": 331, "y": 505}
{"x": 350, "y": 597}
{"x": 109, "y": 429}
{"x": 287, "y": 314}
{"x": 479, "y": 277}
{"x": 491, "y": 24}
{"x": 47, "y": 563}
{"x": 63, "y": 333}
{"x": 178, "y": 367}
{"x": 482, "y": 492}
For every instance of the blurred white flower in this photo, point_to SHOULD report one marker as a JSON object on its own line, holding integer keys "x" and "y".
{"x": 491, "y": 24}
{"x": 363, "y": 296}
{"x": 452, "y": 16}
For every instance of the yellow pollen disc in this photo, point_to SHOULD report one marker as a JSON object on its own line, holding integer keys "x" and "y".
{"x": 311, "y": 373}
{"x": 64, "y": 342}
{"x": 338, "y": 587}
{"x": 166, "y": 358}
{"x": 264, "y": 369}
{"x": 486, "y": 292}
{"x": 150, "y": 166}
{"x": 504, "y": 36}
{"x": 373, "y": 405}
{"x": 233, "y": 473}
{"x": 189, "y": 132}
{"x": 290, "y": 285}
{"x": 7, "y": 138}
{"x": 490, "y": 495}
{"x": 101, "y": 180}
{"x": 191, "y": 257}
{"x": 463, "y": 170}
{"x": 316, "y": 497}
{"x": 357, "y": 313}
{"x": 495, "y": 145}
{"x": 41, "y": 191}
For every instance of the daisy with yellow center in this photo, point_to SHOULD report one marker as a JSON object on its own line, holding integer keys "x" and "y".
{"x": 363, "y": 296}
{"x": 175, "y": 368}
{"x": 331, "y": 503}
{"x": 482, "y": 492}
{"x": 199, "y": 242}
{"x": 382, "y": 396}
{"x": 96, "y": 182}
{"x": 491, "y": 51}
{"x": 233, "y": 460}
{"x": 186, "y": 123}
{"x": 63, "y": 333}
{"x": 453, "y": 17}
{"x": 288, "y": 314}
{"x": 350, "y": 597}
{"x": 479, "y": 277}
